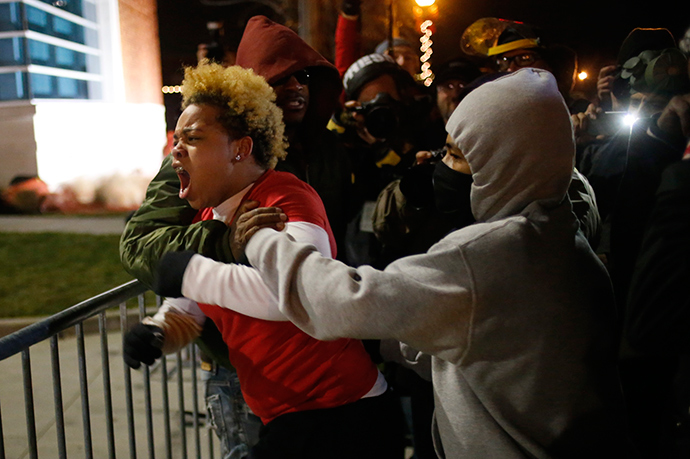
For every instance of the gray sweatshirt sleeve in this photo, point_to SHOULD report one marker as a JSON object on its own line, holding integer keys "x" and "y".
{"x": 425, "y": 301}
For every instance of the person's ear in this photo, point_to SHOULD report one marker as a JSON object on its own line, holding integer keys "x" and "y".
{"x": 244, "y": 147}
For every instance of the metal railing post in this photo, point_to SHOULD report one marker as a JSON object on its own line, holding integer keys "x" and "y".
{"x": 2, "y": 438}
{"x": 65, "y": 380}
{"x": 147, "y": 391}
{"x": 57, "y": 397}
{"x": 180, "y": 401}
{"x": 29, "y": 404}
{"x": 166, "y": 399}
{"x": 128, "y": 388}
{"x": 195, "y": 406}
{"x": 107, "y": 393}
{"x": 84, "y": 385}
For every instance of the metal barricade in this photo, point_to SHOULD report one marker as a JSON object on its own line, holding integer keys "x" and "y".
{"x": 125, "y": 416}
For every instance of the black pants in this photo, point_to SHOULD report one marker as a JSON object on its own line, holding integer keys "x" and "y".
{"x": 368, "y": 428}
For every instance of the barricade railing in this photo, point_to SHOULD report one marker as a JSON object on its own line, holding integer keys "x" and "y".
{"x": 125, "y": 416}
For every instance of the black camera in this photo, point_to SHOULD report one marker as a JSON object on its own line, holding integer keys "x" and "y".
{"x": 381, "y": 115}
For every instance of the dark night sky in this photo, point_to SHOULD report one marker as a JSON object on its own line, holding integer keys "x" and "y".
{"x": 595, "y": 29}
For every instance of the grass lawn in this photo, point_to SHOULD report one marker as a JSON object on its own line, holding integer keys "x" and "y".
{"x": 44, "y": 273}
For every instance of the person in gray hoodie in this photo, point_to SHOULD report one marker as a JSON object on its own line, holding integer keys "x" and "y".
{"x": 516, "y": 310}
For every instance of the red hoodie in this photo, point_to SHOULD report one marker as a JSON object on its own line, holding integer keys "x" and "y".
{"x": 275, "y": 51}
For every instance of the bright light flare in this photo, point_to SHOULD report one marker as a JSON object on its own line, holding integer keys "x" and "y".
{"x": 582, "y": 76}
{"x": 629, "y": 119}
{"x": 425, "y": 3}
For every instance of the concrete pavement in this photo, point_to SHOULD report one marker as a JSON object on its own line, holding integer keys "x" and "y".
{"x": 105, "y": 224}
{"x": 12, "y": 398}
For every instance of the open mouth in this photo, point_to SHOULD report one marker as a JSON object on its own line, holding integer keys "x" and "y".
{"x": 185, "y": 180}
{"x": 293, "y": 102}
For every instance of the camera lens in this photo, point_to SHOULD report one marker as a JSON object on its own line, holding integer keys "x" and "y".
{"x": 381, "y": 122}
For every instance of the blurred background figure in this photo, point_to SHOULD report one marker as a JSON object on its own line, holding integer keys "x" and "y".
{"x": 625, "y": 169}
{"x": 216, "y": 49}
{"x": 451, "y": 77}
{"x": 25, "y": 195}
{"x": 402, "y": 52}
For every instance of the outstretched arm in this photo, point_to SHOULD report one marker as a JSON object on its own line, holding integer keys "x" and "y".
{"x": 424, "y": 301}
{"x": 231, "y": 286}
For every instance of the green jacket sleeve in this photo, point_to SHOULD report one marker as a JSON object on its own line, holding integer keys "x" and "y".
{"x": 163, "y": 223}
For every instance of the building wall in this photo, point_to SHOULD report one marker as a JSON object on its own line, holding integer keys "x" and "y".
{"x": 19, "y": 145}
{"x": 94, "y": 140}
{"x": 121, "y": 130}
{"x": 141, "y": 51}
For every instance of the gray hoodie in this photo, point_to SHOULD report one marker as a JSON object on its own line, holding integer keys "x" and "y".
{"x": 516, "y": 310}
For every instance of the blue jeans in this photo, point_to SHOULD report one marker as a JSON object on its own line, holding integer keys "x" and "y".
{"x": 235, "y": 425}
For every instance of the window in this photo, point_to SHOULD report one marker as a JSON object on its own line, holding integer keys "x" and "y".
{"x": 13, "y": 86}
{"x": 56, "y": 56}
{"x": 54, "y": 87}
{"x": 36, "y": 30}
{"x": 71, "y": 6}
{"x": 12, "y": 51}
{"x": 10, "y": 17}
{"x": 42, "y": 21}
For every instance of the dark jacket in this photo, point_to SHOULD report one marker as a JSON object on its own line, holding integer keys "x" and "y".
{"x": 657, "y": 324}
{"x": 318, "y": 158}
{"x": 625, "y": 173}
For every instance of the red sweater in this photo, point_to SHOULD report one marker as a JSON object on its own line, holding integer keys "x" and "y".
{"x": 282, "y": 369}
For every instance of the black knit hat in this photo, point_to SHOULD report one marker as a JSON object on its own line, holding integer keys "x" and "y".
{"x": 459, "y": 68}
{"x": 366, "y": 69}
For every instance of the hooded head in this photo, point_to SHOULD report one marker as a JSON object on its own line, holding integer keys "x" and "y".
{"x": 275, "y": 51}
{"x": 517, "y": 137}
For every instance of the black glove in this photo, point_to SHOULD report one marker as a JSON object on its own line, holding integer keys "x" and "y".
{"x": 167, "y": 280}
{"x": 142, "y": 344}
{"x": 350, "y": 7}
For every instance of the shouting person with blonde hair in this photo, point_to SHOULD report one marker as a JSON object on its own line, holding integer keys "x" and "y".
{"x": 315, "y": 398}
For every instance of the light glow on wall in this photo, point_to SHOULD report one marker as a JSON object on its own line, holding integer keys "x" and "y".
{"x": 76, "y": 140}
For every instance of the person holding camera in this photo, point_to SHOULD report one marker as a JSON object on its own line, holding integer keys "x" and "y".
{"x": 658, "y": 309}
{"x": 378, "y": 127}
{"x": 619, "y": 167}
{"x": 625, "y": 171}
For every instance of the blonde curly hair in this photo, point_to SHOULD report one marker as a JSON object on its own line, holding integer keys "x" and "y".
{"x": 247, "y": 106}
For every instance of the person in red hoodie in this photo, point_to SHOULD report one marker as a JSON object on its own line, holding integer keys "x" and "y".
{"x": 308, "y": 88}
{"x": 315, "y": 398}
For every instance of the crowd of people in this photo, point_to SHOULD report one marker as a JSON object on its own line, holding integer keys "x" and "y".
{"x": 484, "y": 268}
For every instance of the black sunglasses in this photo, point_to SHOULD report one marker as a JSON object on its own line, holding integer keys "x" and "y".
{"x": 302, "y": 77}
